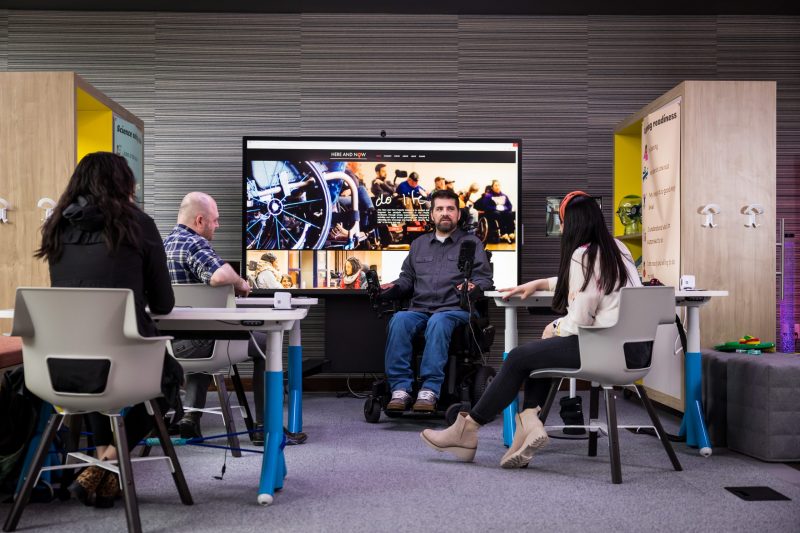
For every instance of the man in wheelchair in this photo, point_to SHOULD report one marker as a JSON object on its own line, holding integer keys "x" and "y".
{"x": 430, "y": 275}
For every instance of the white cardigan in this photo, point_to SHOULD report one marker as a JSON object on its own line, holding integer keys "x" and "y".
{"x": 591, "y": 307}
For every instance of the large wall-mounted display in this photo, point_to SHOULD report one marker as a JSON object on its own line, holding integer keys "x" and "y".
{"x": 318, "y": 210}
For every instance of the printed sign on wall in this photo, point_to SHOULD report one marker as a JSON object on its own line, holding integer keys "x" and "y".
{"x": 661, "y": 194}
{"x": 128, "y": 143}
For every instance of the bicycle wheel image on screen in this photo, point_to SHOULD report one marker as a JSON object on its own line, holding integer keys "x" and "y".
{"x": 288, "y": 206}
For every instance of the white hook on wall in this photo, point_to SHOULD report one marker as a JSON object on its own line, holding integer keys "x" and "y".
{"x": 47, "y": 204}
{"x": 3, "y": 211}
{"x": 709, "y": 210}
{"x": 752, "y": 210}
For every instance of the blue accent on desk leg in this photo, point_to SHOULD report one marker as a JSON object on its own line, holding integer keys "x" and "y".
{"x": 295, "y": 370}
{"x": 509, "y": 424}
{"x": 693, "y": 425}
{"x": 272, "y": 463}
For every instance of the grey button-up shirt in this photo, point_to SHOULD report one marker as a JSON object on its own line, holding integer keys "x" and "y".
{"x": 431, "y": 271}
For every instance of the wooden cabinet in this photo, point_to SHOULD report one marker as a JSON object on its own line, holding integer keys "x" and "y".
{"x": 50, "y": 120}
{"x": 728, "y": 157}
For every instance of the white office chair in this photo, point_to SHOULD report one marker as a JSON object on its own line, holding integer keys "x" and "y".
{"x": 226, "y": 355}
{"x": 619, "y": 355}
{"x": 82, "y": 353}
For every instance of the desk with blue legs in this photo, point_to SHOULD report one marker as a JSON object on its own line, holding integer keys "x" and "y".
{"x": 295, "y": 360}
{"x": 542, "y": 299}
{"x": 274, "y": 322}
{"x": 693, "y": 426}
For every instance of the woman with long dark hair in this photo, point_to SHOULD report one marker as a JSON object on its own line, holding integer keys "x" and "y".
{"x": 592, "y": 270}
{"x": 98, "y": 237}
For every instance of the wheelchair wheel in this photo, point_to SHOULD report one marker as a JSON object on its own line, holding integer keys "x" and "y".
{"x": 372, "y": 410}
{"x": 288, "y": 206}
{"x": 451, "y": 414}
{"x": 482, "y": 231}
{"x": 480, "y": 382}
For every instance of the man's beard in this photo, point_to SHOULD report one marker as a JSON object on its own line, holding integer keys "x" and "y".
{"x": 445, "y": 226}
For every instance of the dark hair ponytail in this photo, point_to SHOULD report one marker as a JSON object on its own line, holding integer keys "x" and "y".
{"x": 584, "y": 225}
{"x": 107, "y": 180}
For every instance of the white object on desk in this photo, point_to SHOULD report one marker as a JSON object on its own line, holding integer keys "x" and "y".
{"x": 282, "y": 300}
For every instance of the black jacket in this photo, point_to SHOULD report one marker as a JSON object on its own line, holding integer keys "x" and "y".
{"x": 87, "y": 262}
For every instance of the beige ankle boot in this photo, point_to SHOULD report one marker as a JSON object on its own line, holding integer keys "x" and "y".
{"x": 460, "y": 439}
{"x": 529, "y": 437}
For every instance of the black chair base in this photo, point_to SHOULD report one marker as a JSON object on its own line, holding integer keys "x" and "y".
{"x": 125, "y": 470}
{"x": 613, "y": 429}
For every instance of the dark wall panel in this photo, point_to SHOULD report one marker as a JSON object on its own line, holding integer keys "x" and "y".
{"x": 113, "y": 52}
{"x": 201, "y": 81}
{"x": 219, "y": 77}
{"x": 3, "y": 39}
{"x": 365, "y": 73}
{"x": 632, "y": 61}
{"x": 527, "y": 78}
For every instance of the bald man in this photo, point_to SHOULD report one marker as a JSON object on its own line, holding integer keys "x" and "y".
{"x": 191, "y": 259}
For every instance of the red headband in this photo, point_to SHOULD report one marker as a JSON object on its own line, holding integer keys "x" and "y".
{"x": 566, "y": 200}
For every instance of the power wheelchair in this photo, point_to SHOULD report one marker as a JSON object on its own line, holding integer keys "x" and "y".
{"x": 466, "y": 373}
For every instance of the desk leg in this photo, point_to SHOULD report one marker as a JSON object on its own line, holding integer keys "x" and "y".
{"x": 509, "y": 424}
{"x": 273, "y": 465}
{"x": 693, "y": 425}
{"x": 295, "y": 379}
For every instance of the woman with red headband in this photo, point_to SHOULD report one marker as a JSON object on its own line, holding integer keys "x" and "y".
{"x": 593, "y": 268}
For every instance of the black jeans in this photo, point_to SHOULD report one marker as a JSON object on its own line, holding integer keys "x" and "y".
{"x": 556, "y": 352}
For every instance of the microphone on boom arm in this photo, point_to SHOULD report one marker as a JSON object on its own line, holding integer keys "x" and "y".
{"x": 466, "y": 259}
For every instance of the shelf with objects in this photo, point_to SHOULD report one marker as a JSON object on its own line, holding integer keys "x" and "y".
{"x": 702, "y": 158}
{"x": 50, "y": 121}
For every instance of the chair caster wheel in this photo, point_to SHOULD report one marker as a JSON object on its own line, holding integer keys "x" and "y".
{"x": 265, "y": 499}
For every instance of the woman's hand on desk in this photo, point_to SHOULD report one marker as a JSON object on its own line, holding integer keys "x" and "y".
{"x": 524, "y": 290}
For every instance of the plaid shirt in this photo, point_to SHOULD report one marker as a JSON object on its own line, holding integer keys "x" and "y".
{"x": 190, "y": 257}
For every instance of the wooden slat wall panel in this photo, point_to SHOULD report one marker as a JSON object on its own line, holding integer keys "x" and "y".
{"x": 112, "y": 51}
{"x": 768, "y": 48}
{"x": 527, "y": 78}
{"x": 219, "y": 77}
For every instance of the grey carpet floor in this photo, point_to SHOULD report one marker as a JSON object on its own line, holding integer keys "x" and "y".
{"x": 352, "y": 476}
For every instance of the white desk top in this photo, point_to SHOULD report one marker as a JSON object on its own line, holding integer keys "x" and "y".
{"x": 700, "y": 294}
{"x": 537, "y": 299}
{"x": 269, "y": 302}
{"x": 230, "y": 319}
